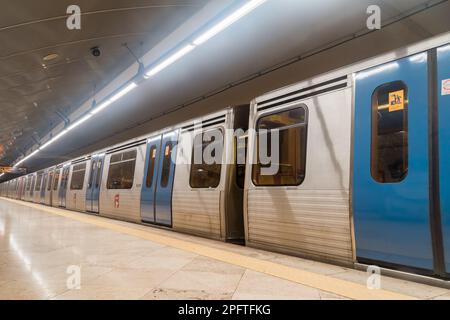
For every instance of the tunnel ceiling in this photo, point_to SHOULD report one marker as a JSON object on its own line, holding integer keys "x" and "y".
{"x": 36, "y": 94}
{"x": 276, "y": 32}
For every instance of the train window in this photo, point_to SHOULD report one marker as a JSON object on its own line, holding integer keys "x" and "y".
{"x": 121, "y": 170}
{"x": 167, "y": 161}
{"x": 50, "y": 180}
{"x": 56, "y": 178}
{"x": 116, "y": 158}
{"x": 28, "y": 183}
{"x": 389, "y": 152}
{"x": 78, "y": 173}
{"x": 151, "y": 167}
{"x": 204, "y": 175}
{"x": 38, "y": 182}
{"x": 292, "y": 127}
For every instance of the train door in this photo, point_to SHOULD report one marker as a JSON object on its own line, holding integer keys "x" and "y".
{"x": 391, "y": 176}
{"x": 63, "y": 186}
{"x": 156, "y": 196}
{"x": 166, "y": 170}
{"x": 94, "y": 183}
{"x": 443, "y": 93}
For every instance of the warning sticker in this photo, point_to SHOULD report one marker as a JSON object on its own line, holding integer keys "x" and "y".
{"x": 396, "y": 101}
{"x": 446, "y": 87}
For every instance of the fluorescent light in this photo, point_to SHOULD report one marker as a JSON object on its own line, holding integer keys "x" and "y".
{"x": 123, "y": 92}
{"x": 225, "y": 23}
{"x": 241, "y": 12}
{"x": 173, "y": 58}
{"x": 59, "y": 135}
{"x": 114, "y": 98}
{"x": 77, "y": 123}
{"x": 2, "y": 174}
{"x": 27, "y": 157}
{"x": 101, "y": 106}
{"x": 238, "y": 14}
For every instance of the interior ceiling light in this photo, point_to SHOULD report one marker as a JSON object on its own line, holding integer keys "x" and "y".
{"x": 219, "y": 27}
{"x": 50, "y": 57}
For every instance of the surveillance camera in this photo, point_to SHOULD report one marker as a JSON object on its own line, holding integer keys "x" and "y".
{"x": 95, "y": 51}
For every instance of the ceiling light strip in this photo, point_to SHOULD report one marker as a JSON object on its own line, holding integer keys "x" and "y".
{"x": 228, "y": 21}
{"x": 77, "y": 123}
{"x": 173, "y": 58}
{"x": 114, "y": 98}
{"x": 26, "y": 158}
{"x": 216, "y": 29}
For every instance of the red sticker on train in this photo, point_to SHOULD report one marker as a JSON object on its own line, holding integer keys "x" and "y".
{"x": 445, "y": 87}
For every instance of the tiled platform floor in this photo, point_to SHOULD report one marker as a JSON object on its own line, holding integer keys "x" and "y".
{"x": 38, "y": 244}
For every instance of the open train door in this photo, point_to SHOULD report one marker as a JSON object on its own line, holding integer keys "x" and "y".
{"x": 394, "y": 217}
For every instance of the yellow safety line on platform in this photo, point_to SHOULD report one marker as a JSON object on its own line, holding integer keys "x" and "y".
{"x": 322, "y": 282}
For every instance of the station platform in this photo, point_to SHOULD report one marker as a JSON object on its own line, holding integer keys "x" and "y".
{"x": 40, "y": 246}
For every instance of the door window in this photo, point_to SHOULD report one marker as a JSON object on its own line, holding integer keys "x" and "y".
{"x": 167, "y": 161}
{"x": 389, "y": 152}
{"x": 151, "y": 167}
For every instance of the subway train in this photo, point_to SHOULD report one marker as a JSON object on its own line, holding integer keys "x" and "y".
{"x": 363, "y": 172}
